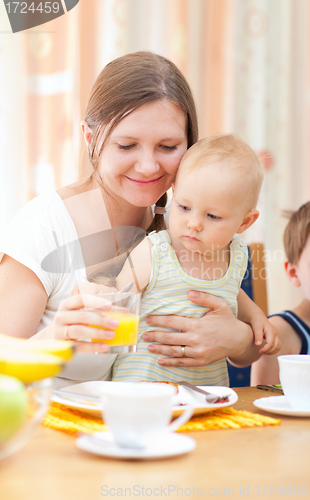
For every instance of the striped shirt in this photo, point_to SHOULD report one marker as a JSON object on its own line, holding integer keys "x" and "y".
{"x": 166, "y": 294}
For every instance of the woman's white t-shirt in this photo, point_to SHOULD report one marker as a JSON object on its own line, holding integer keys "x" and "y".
{"x": 42, "y": 237}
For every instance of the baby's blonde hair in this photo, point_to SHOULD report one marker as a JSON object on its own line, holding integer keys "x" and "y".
{"x": 226, "y": 148}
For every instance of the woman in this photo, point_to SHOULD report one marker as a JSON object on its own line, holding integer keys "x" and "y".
{"x": 139, "y": 122}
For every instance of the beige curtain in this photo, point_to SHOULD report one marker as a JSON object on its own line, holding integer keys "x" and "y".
{"x": 271, "y": 112}
{"x": 247, "y": 62}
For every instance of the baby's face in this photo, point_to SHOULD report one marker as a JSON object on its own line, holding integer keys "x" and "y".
{"x": 207, "y": 208}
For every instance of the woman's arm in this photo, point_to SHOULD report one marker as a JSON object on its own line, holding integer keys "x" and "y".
{"x": 23, "y": 301}
{"x": 217, "y": 335}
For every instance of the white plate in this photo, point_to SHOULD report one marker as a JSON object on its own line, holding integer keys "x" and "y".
{"x": 184, "y": 396}
{"x": 170, "y": 444}
{"x": 280, "y": 405}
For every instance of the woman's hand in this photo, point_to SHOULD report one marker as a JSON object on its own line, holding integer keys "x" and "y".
{"x": 216, "y": 335}
{"x": 76, "y": 319}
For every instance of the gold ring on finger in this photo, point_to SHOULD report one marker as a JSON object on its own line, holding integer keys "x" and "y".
{"x": 66, "y": 333}
{"x": 183, "y": 351}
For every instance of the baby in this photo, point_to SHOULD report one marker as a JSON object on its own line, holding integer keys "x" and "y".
{"x": 214, "y": 200}
{"x": 293, "y": 326}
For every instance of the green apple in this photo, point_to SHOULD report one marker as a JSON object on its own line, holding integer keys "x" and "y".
{"x": 13, "y": 403}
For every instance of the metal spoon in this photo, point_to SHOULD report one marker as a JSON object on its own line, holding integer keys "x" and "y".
{"x": 210, "y": 398}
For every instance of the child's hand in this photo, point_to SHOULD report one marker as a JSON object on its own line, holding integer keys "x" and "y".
{"x": 92, "y": 289}
{"x": 264, "y": 330}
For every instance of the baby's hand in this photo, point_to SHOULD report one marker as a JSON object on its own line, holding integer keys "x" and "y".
{"x": 264, "y": 331}
{"x": 93, "y": 289}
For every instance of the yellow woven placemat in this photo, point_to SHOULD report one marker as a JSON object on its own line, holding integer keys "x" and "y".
{"x": 65, "y": 419}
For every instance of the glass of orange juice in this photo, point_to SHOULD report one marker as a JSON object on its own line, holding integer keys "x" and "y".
{"x": 125, "y": 309}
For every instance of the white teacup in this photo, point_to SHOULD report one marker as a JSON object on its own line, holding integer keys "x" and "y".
{"x": 295, "y": 379}
{"x": 136, "y": 413}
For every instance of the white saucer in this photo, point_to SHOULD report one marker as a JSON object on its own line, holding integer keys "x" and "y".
{"x": 169, "y": 445}
{"x": 280, "y": 405}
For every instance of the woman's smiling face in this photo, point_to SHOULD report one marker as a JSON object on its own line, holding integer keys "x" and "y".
{"x": 141, "y": 156}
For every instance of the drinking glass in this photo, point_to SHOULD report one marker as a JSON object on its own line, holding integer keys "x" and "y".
{"x": 125, "y": 309}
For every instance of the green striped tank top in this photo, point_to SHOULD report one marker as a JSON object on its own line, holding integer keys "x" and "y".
{"x": 166, "y": 294}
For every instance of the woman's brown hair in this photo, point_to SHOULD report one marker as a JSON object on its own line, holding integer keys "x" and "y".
{"x": 124, "y": 85}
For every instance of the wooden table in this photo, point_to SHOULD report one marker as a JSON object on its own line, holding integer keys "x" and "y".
{"x": 246, "y": 463}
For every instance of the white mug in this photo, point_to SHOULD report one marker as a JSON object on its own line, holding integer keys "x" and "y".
{"x": 136, "y": 412}
{"x": 295, "y": 379}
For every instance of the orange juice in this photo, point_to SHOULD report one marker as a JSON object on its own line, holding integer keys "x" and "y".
{"x": 127, "y": 331}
